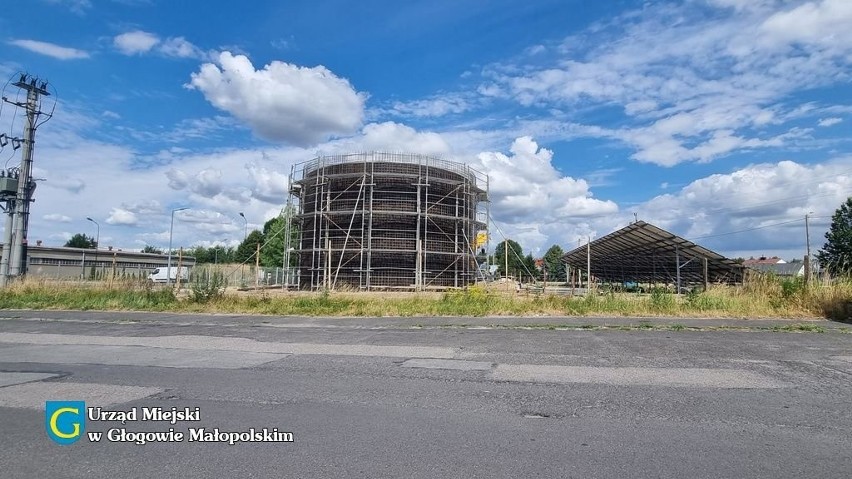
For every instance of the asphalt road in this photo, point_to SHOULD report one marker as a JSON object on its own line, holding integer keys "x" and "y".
{"x": 430, "y": 397}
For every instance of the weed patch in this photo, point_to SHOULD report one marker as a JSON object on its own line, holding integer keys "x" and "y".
{"x": 760, "y": 298}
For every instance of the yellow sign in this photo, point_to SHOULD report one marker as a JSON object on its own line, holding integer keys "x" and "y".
{"x": 481, "y": 238}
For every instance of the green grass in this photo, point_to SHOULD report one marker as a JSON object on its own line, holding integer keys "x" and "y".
{"x": 124, "y": 296}
{"x": 759, "y": 299}
{"x": 800, "y": 328}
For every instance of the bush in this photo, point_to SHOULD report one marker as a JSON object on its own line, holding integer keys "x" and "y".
{"x": 155, "y": 296}
{"x": 792, "y": 287}
{"x": 662, "y": 300}
{"x": 206, "y": 287}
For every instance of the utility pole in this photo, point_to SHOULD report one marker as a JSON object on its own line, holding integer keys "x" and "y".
{"x": 506, "y": 260}
{"x": 589, "y": 265}
{"x": 808, "y": 257}
{"x": 171, "y": 230}
{"x": 257, "y": 267}
{"x": 14, "y": 252}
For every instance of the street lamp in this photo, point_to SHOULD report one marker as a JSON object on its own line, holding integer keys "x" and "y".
{"x": 245, "y": 234}
{"x": 98, "y": 234}
{"x": 97, "y": 244}
{"x": 169, "y": 262}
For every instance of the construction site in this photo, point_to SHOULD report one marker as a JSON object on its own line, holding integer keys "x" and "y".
{"x": 377, "y": 221}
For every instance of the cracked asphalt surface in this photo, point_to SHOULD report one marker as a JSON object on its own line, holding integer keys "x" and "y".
{"x": 432, "y": 397}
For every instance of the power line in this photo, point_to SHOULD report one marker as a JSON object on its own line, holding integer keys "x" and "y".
{"x": 749, "y": 229}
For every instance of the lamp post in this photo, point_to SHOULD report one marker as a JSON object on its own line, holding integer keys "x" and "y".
{"x": 216, "y": 249}
{"x": 97, "y": 242}
{"x": 98, "y": 234}
{"x": 171, "y": 230}
{"x": 245, "y": 232}
{"x": 809, "y": 263}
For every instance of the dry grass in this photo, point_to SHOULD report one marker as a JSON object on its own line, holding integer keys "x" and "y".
{"x": 762, "y": 298}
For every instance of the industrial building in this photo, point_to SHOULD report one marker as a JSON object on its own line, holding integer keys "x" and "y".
{"x": 81, "y": 263}
{"x": 372, "y": 221}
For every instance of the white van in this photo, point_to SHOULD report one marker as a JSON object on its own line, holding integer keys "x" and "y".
{"x": 161, "y": 275}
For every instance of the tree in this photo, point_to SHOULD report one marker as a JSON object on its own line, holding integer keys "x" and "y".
{"x": 151, "y": 249}
{"x": 553, "y": 263}
{"x": 81, "y": 241}
{"x": 201, "y": 254}
{"x": 515, "y": 260}
{"x": 529, "y": 268}
{"x": 272, "y": 241}
{"x": 247, "y": 249}
{"x": 836, "y": 255}
{"x": 272, "y": 251}
{"x": 219, "y": 254}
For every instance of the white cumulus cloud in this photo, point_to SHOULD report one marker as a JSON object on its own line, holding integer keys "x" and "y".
{"x": 526, "y": 185}
{"x": 391, "y": 136}
{"x": 135, "y": 42}
{"x": 268, "y": 185}
{"x": 121, "y": 216}
{"x": 207, "y": 182}
{"x": 178, "y": 179}
{"x": 281, "y": 101}
{"x": 760, "y": 208}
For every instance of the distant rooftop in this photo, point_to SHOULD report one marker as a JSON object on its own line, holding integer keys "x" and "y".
{"x": 763, "y": 260}
{"x": 780, "y": 269}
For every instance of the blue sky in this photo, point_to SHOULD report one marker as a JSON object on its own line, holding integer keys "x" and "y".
{"x": 725, "y": 121}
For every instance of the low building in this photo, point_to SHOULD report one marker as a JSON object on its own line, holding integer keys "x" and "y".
{"x": 81, "y": 263}
{"x": 790, "y": 270}
{"x": 763, "y": 260}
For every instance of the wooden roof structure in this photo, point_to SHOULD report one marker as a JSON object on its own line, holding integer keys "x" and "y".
{"x": 642, "y": 252}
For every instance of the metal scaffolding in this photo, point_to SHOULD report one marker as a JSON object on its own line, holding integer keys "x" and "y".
{"x": 372, "y": 221}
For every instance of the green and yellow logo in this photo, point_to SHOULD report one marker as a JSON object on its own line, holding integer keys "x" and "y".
{"x": 65, "y": 421}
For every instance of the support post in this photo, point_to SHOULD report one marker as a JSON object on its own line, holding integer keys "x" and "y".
{"x": 327, "y": 264}
{"x": 179, "y": 266}
{"x": 7, "y": 242}
{"x": 808, "y": 257}
{"x": 417, "y": 266}
{"x": 257, "y": 267}
{"x": 456, "y": 245}
{"x": 114, "y": 260}
{"x": 506, "y": 260}
{"x": 677, "y": 264}
{"x": 589, "y": 265}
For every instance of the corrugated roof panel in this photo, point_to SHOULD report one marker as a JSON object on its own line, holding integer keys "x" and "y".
{"x": 646, "y": 253}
